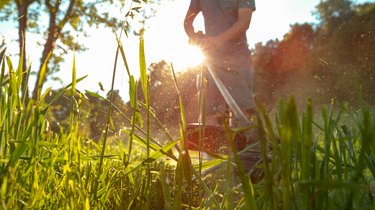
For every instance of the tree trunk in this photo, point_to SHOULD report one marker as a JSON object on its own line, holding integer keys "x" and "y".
{"x": 54, "y": 30}
{"x": 48, "y": 48}
{"x": 22, "y": 7}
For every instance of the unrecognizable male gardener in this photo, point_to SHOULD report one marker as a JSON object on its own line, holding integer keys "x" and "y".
{"x": 226, "y": 49}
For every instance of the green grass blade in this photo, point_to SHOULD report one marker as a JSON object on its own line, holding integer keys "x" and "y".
{"x": 143, "y": 69}
{"x": 166, "y": 192}
{"x": 42, "y": 76}
{"x": 3, "y": 48}
{"x": 124, "y": 58}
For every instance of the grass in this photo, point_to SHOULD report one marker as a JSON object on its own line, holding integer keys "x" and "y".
{"x": 318, "y": 160}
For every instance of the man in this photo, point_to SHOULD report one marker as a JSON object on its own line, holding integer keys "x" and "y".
{"x": 226, "y": 50}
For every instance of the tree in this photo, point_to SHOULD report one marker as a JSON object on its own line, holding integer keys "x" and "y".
{"x": 265, "y": 79}
{"x": 278, "y": 63}
{"x": 329, "y": 61}
{"x": 296, "y": 42}
{"x": 328, "y": 10}
{"x": 64, "y": 18}
{"x": 344, "y": 46}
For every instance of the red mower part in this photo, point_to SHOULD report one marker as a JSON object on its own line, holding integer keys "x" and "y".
{"x": 213, "y": 138}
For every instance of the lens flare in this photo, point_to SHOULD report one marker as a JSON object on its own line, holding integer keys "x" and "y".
{"x": 188, "y": 56}
{"x": 194, "y": 56}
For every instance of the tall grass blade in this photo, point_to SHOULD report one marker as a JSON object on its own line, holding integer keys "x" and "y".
{"x": 124, "y": 58}
{"x": 177, "y": 201}
{"x": 166, "y": 192}
{"x": 3, "y": 48}
{"x": 307, "y": 167}
{"x": 19, "y": 72}
{"x": 42, "y": 76}
{"x": 73, "y": 104}
{"x": 184, "y": 155}
{"x": 286, "y": 139}
{"x": 247, "y": 185}
{"x": 182, "y": 111}
{"x": 145, "y": 89}
{"x": 143, "y": 69}
{"x": 271, "y": 169}
{"x": 2, "y": 74}
{"x": 137, "y": 117}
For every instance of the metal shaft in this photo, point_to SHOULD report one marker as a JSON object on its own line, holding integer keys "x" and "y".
{"x": 244, "y": 121}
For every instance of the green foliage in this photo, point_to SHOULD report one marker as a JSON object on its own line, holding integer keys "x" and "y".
{"x": 4, "y": 3}
{"x": 331, "y": 9}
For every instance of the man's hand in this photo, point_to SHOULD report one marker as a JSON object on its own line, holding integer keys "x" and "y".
{"x": 206, "y": 43}
{"x": 196, "y": 38}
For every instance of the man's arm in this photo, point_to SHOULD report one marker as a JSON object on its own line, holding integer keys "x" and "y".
{"x": 237, "y": 29}
{"x": 188, "y": 22}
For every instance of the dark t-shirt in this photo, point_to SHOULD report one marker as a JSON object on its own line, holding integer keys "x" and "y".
{"x": 219, "y": 16}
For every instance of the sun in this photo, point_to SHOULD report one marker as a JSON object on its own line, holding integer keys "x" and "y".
{"x": 188, "y": 56}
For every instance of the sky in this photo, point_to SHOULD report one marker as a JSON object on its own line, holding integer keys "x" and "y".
{"x": 164, "y": 39}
